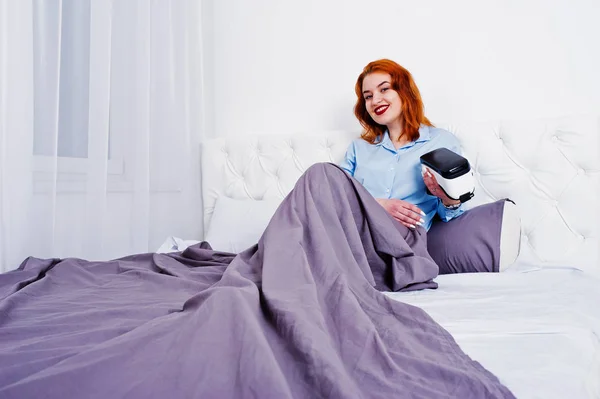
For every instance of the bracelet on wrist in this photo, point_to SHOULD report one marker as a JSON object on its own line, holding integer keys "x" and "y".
{"x": 452, "y": 206}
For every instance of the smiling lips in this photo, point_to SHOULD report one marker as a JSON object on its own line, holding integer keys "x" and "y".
{"x": 381, "y": 109}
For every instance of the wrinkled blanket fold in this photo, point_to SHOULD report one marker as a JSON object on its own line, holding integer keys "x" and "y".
{"x": 299, "y": 315}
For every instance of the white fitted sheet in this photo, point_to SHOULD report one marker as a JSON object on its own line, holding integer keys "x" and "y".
{"x": 537, "y": 331}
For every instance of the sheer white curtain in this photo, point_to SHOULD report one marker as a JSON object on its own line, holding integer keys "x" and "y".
{"x": 100, "y": 120}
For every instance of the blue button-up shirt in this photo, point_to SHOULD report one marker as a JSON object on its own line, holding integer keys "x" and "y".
{"x": 387, "y": 172}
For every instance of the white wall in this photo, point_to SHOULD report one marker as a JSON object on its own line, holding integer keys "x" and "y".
{"x": 276, "y": 66}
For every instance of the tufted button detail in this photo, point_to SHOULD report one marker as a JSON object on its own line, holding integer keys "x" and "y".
{"x": 555, "y": 203}
{"x": 581, "y": 237}
{"x": 555, "y": 138}
{"x": 580, "y": 171}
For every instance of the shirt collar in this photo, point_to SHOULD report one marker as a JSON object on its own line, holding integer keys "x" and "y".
{"x": 424, "y": 135}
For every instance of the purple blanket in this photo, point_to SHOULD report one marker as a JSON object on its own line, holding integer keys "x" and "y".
{"x": 299, "y": 315}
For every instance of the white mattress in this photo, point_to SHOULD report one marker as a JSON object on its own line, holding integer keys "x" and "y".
{"x": 538, "y": 331}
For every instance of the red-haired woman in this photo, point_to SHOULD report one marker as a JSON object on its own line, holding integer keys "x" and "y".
{"x": 386, "y": 159}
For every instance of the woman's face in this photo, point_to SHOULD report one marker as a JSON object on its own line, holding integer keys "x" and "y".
{"x": 382, "y": 102}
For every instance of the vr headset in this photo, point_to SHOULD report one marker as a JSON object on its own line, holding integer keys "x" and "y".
{"x": 452, "y": 172}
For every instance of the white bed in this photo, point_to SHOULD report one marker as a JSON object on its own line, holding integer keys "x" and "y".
{"x": 538, "y": 331}
{"x": 537, "y": 325}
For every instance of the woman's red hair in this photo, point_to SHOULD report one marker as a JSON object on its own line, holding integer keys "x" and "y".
{"x": 412, "y": 106}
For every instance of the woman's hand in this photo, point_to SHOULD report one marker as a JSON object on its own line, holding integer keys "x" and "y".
{"x": 404, "y": 212}
{"x": 435, "y": 189}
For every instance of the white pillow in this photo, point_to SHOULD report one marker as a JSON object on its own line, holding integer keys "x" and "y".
{"x": 238, "y": 224}
{"x": 510, "y": 236}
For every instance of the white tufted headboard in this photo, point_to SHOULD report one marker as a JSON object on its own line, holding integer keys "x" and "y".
{"x": 549, "y": 167}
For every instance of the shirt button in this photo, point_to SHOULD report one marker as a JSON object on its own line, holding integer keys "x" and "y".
{"x": 387, "y": 191}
